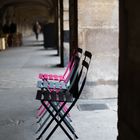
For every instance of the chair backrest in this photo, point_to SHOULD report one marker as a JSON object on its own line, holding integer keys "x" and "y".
{"x": 74, "y": 68}
{"x": 87, "y": 56}
{"x": 80, "y": 77}
{"x": 77, "y": 52}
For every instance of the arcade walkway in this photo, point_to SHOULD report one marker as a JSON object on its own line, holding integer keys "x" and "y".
{"x": 19, "y": 68}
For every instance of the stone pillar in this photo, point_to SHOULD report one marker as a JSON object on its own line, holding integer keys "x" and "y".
{"x": 98, "y": 33}
{"x": 129, "y": 71}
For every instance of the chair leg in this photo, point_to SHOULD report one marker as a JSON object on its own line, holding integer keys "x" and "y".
{"x": 59, "y": 122}
{"x": 41, "y": 117}
{"x": 54, "y": 118}
{"x": 43, "y": 111}
{"x": 42, "y": 125}
{"x": 56, "y": 110}
{"x": 65, "y": 120}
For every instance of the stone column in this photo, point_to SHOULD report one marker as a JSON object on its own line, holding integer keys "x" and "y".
{"x": 98, "y": 33}
{"x": 129, "y": 71}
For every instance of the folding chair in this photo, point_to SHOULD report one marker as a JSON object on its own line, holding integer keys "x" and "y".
{"x": 46, "y": 87}
{"x": 59, "y": 85}
{"x": 65, "y": 96}
{"x": 64, "y": 77}
{"x": 55, "y": 84}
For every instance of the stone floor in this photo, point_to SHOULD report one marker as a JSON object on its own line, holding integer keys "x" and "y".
{"x": 19, "y": 67}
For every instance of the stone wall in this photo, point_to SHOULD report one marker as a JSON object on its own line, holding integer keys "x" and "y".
{"x": 98, "y": 33}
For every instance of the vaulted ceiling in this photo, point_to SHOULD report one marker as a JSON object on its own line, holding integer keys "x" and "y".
{"x": 26, "y": 9}
{"x": 25, "y": 12}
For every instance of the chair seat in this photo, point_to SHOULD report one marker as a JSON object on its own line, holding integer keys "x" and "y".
{"x": 53, "y": 96}
{"x": 51, "y": 77}
{"x": 52, "y": 85}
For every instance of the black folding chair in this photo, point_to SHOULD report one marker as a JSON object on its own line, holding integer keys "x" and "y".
{"x": 65, "y": 96}
{"x": 72, "y": 75}
{"x": 43, "y": 84}
{"x": 59, "y": 84}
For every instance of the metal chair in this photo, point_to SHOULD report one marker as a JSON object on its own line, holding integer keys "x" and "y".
{"x": 60, "y": 85}
{"x": 57, "y": 85}
{"x": 46, "y": 87}
{"x": 66, "y": 96}
{"x": 59, "y": 81}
